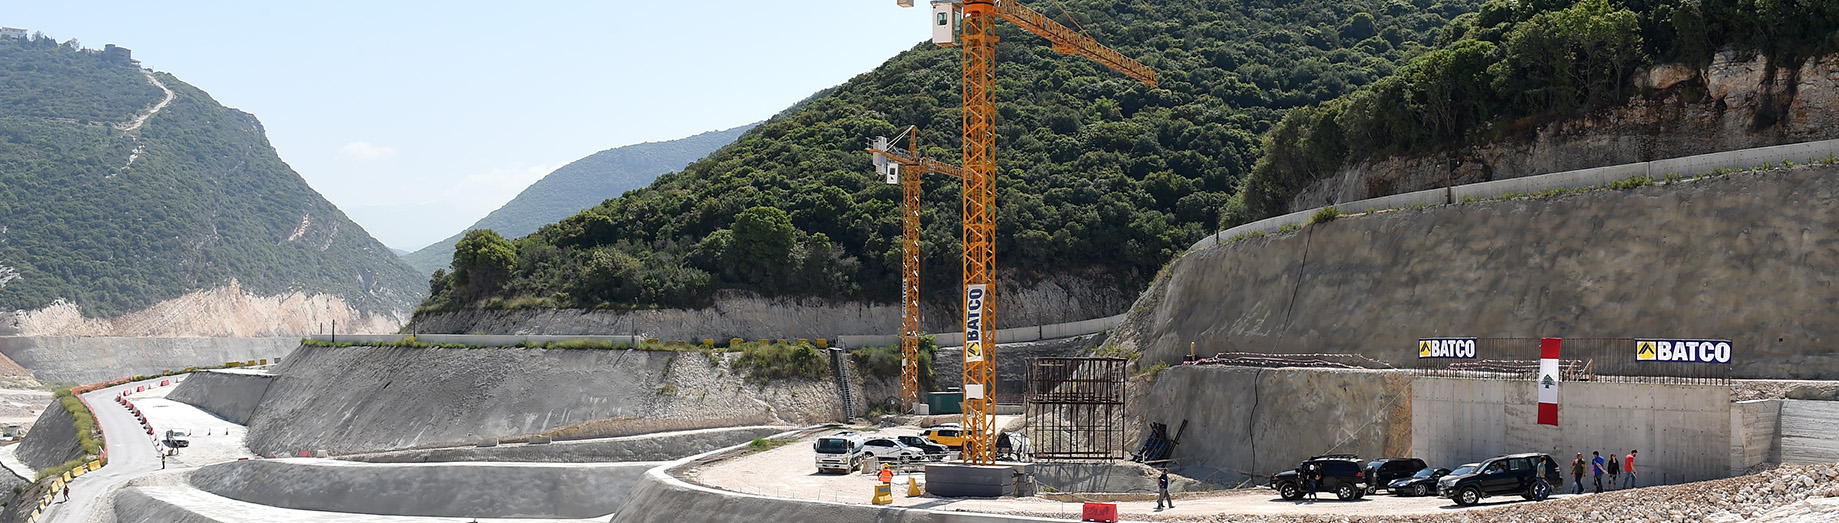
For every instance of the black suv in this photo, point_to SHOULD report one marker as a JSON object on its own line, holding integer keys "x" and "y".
{"x": 1341, "y": 474}
{"x": 1511, "y": 474}
{"x": 1381, "y": 472}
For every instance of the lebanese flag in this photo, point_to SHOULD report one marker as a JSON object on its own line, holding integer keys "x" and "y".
{"x": 1548, "y": 381}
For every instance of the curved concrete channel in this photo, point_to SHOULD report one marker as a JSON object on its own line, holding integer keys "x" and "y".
{"x": 460, "y": 490}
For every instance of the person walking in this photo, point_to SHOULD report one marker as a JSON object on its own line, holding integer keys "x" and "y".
{"x": 1577, "y": 473}
{"x": 1598, "y": 467}
{"x": 1628, "y": 466}
{"x": 886, "y": 475}
{"x": 66, "y": 492}
{"x": 1615, "y": 470}
{"x": 1541, "y": 488}
{"x": 1162, "y": 490}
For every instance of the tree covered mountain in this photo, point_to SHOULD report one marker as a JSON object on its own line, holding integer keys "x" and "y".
{"x": 1095, "y": 170}
{"x": 1513, "y": 66}
{"x": 115, "y": 218}
{"x": 579, "y": 185}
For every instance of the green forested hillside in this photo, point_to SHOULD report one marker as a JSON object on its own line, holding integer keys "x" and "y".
{"x": 1096, "y": 170}
{"x": 117, "y": 220}
{"x": 1512, "y": 66}
{"x": 579, "y": 185}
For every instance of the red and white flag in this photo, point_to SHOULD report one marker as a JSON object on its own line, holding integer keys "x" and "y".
{"x": 1548, "y": 381}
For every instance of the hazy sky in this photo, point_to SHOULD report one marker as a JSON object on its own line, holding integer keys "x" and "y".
{"x": 419, "y": 118}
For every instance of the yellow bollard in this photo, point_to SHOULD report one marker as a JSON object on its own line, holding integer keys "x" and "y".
{"x": 884, "y": 495}
{"x": 913, "y": 490}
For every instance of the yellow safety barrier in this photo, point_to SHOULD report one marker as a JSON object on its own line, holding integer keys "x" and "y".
{"x": 884, "y": 495}
{"x": 264, "y": 361}
{"x": 77, "y": 472}
{"x": 94, "y": 465}
{"x": 251, "y": 363}
{"x": 913, "y": 490}
{"x": 823, "y": 343}
{"x": 233, "y": 364}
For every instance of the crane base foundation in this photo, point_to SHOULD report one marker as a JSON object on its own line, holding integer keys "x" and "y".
{"x": 956, "y": 480}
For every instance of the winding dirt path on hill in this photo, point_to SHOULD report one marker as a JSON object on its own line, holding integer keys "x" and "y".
{"x": 142, "y": 119}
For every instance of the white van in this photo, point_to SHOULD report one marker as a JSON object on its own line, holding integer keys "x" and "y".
{"x": 840, "y": 452}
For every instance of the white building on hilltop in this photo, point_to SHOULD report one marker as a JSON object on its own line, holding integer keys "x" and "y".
{"x": 12, "y": 32}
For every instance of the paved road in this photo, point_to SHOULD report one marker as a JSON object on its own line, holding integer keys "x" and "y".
{"x": 131, "y": 454}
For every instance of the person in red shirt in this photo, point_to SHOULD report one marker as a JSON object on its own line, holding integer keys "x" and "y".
{"x": 1628, "y": 467}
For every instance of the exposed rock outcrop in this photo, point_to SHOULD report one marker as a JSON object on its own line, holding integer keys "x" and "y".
{"x": 228, "y": 311}
{"x": 1738, "y": 101}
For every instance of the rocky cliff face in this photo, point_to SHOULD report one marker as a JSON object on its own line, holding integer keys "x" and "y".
{"x": 1739, "y": 101}
{"x": 1054, "y": 299}
{"x": 228, "y": 311}
{"x": 1751, "y": 257}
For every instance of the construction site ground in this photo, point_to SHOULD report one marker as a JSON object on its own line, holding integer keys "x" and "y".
{"x": 790, "y": 471}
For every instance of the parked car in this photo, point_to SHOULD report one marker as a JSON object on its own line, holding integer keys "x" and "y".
{"x": 1381, "y": 472}
{"x": 1341, "y": 474}
{"x": 840, "y": 452}
{"x": 890, "y": 449}
{"x": 933, "y": 450}
{"x": 950, "y": 435}
{"x": 1511, "y": 474}
{"x": 177, "y": 438}
{"x": 1424, "y": 482}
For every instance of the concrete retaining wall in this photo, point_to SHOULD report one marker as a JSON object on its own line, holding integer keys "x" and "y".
{"x": 650, "y": 447}
{"x": 52, "y": 441}
{"x": 1250, "y": 422}
{"x": 1809, "y": 431}
{"x": 1751, "y": 258}
{"x": 233, "y": 396}
{"x": 361, "y": 399}
{"x": 1687, "y": 166}
{"x": 539, "y": 490}
{"x": 94, "y": 359}
{"x": 1755, "y": 434}
{"x": 1682, "y": 431}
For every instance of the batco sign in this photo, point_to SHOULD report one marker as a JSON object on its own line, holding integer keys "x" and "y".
{"x": 974, "y": 298}
{"x": 1446, "y": 348}
{"x": 1687, "y": 351}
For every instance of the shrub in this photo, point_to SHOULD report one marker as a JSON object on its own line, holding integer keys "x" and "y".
{"x": 774, "y": 361}
{"x": 1327, "y": 214}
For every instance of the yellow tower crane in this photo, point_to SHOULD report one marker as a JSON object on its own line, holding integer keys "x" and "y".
{"x": 968, "y": 24}
{"x": 905, "y": 167}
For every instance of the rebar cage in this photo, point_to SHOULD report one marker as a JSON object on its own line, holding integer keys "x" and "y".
{"x": 1075, "y": 408}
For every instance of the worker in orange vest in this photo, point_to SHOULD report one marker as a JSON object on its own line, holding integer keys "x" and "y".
{"x": 887, "y": 474}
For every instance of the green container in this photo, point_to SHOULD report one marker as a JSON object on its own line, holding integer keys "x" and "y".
{"x": 945, "y": 402}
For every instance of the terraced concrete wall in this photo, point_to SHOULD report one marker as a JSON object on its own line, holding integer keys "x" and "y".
{"x": 459, "y": 490}
{"x": 1251, "y": 422}
{"x": 231, "y": 395}
{"x": 360, "y": 399}
{"x": 94, "y": 359}
{"x": 1682, "y": 431}
{"x": 650, "y": 447}
{"x": 1752, "y": 257}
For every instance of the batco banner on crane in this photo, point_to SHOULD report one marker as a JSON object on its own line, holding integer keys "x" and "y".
{"x": 974, "y": 298}
{"x": 1548, "y": 380}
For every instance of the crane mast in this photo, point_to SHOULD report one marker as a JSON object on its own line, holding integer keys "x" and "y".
{"x": 969, "y": 24}
{"x": 906, "y": 167}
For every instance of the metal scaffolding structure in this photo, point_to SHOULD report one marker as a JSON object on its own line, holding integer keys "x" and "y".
{"x": 1075, "y": 408}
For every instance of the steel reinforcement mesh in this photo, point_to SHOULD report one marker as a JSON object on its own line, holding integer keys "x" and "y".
{"x": 1075, "y": 407}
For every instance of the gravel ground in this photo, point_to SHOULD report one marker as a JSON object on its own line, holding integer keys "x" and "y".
{"x": 213, "y": 439}
{"x": 1789, "y": 494}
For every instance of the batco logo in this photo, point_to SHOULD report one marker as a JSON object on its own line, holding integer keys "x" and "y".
{"x": 1688, "y": 351}
{"x": 974, "y": 298}
{"x": 1446, "y": 348}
